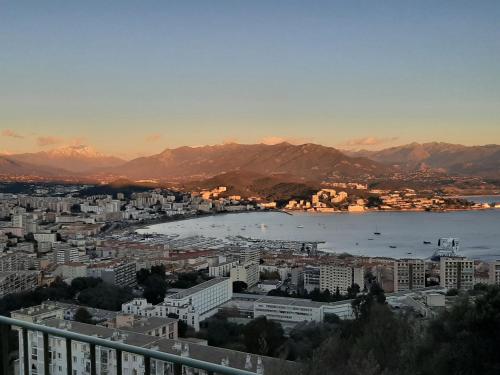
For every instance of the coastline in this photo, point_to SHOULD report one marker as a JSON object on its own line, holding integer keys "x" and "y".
{"x": 135, "y": 227}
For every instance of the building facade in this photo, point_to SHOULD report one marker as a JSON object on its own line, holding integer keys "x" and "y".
{"x": 409, "y": 274}
{"x": 494, "y": 273}
{"x": 247, "y": 273}
{"x": 456, "y": 273}
{"x": 18, "y": 281}
{"x": 338, "y": 277}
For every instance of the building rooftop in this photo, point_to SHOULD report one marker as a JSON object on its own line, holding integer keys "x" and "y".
{"x": 197, "y": 288}
{"x": 290, "y": 301}
{"x": 232, "y": 358}
{"x": 126, "y": 337}
{"x": 37, "y": 310}
{"x": 144, "y": 325}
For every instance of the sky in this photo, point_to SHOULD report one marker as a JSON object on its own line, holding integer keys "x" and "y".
{"x": 132, "y": 78}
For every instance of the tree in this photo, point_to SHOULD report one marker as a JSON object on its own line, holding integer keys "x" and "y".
{"x": 262, "y": 336}
{"x": 374, "y": 201}
{"x": 465, "y": 339}
{"x": 239, "y": 286}
{"x": 105, "y": 296}
{"x": 155, "y": 288}
{"x": 82, "y": 315}
{"x": 80, "y": 283}
{"x": 353, "y": 291}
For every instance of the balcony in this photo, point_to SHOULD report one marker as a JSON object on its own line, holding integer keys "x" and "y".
{"x": 174, "y": 364}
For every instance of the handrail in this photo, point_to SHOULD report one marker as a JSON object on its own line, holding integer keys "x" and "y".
{"x": 162, "y": 356}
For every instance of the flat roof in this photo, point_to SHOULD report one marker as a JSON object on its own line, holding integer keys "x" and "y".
{"x": 290, "y": 301}
{"x": 143, "y": 325}
{"x": 197, "y": 288}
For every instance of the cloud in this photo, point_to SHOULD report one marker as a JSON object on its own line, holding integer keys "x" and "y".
{"x": 273, "y": 140}
{"x": 11, "y": 133}
{"x": 152, "y": 138}
{"x": 48, "y": 140}
{"x": 368, "y": 141}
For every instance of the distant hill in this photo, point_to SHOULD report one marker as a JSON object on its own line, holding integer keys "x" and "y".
{"x": 12, "y": 167}
{"x": 271, "y": 187}
{"x": 300, "y": 163}
{"x": 72, "y": 158}
{"x": 307, "y": 161}
{"x": 449, "y": 158}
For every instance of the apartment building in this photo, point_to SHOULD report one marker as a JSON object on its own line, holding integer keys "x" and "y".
{"x": 17, "y": 261}
{"x": 339, "y": 277}
{"x": 247, "y": 272}
{"x": 494, "y": 272}
{"x": 246, "y": 254}
{"x": 311, "y": 278}
{"x": 197, "y": 303}
{"x": 409, "y": 274}
{"x": 116, "y": 273}
{"x": 456, "y": 273}
{"x": 132, "y": 364}
{"x": 222, "y": 269}
{"x": 18, "y": 281}
{"x": 65, "y": 253}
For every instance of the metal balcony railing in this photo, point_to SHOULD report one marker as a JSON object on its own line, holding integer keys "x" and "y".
{"x": 148, "y": 354}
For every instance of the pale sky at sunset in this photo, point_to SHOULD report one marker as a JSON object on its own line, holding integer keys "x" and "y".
{"x": 134, "y": 77}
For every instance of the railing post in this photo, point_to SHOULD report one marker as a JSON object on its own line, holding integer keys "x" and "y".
{"x": 118, "y": 362}
{"x": 69, "y": 357}
{"x": 46, "y": 359}
{"x": 147, "y": 365}
{"x": 92, "y": 360}
{"x": 26, "y": 354}
{"x": 177, "y": 369}
{"x": 4, "y": 348}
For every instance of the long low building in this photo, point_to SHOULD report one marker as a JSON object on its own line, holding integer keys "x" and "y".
{"x": 190, "y": 305}
{"x": 296, "y": 310}
{"x": 134, "y": 364}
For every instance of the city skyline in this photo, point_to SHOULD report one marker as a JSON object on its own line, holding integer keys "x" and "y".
{"x": 133, "y": 80}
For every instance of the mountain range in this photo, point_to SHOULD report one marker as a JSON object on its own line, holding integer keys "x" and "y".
{"x": 71, "y": 158}
{"x": 307, "y": 161}
{"x": 284, "y": 161}
{"x": 449, "y": 158}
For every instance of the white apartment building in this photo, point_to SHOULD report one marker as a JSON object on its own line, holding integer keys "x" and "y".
{"x": 191, "y": 305}
{"x": 247, "y": 272}
{"x": 199, "y": 302}
{"x": 456, "y": 273}
{"x": 221, "y": 270}
{"x": 333, "y": 277}
{"x": 66, "y": 254}
{"x": 494, "y": 273}
{"x": 141, "y": 307}
{"x": 246, "y": 255}
{"x": 409, "y": 274}
{"x": 18, "y": 281}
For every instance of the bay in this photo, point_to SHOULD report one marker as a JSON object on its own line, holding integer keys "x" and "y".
{"x": 402, "y": 233}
